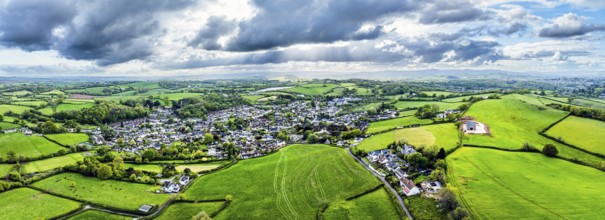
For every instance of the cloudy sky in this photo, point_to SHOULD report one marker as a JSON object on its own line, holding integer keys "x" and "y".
{"x": 177, "y": 37}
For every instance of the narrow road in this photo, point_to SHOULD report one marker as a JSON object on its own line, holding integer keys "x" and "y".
{"x": 386, "y": 183}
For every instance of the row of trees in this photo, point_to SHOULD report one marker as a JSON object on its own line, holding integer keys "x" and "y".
{"x": 594, "y": 113}
{"x": 104, "y": 112}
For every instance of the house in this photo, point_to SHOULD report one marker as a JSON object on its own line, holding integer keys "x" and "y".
{"x": 407, "y": 149}
{"x": 408, "y": 187}
{"x": 400, "y": 173}
{"x": 171, "y": 187}
{"x": 431, "y": 186}
{"x": 184, "y": 180}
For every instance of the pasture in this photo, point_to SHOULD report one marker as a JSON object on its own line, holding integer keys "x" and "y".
{"x": 202, "y": 166}
{"x": 30, "y": 103}
{"x": 52, "y": 163}
{"x": 291, "y": 183}
{"x": 98, "y": 215}
{"x": 113, "y": 193}
{"x": 68, "y": 138}
{"x": 67, "y": 106}
{"x": 440, "y": 135}
{"x": 156, "y": 168}
{"x": 437, "y": 93}
{"x": 5, "y": 169}
{"x": 14, "y": 108}
{"x": 364, "y": 207}
{"x": 588, "y": 103}
{"x": 29, "y": 146}
{"x": 519, "y": 122}
{"x": 26, "y": 203}
{"x": 466, "y": 97}
{"x": 384, "y": 125}
{"x": 311, "y": 89}
{"x": 186, "y": 210}
{"x": 495, "y": 184}
{"x": 6, "y": 125}
{"x": 581, "y": 132}
{"x": 416, "y": 104}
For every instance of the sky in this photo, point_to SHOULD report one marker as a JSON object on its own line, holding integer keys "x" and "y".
{"x": 50, "y": 38}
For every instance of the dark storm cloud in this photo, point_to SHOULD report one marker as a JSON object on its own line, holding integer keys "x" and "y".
{"x": 569, "y": 25}
{"x": 284, "y": 22}
{"x": 29, "y": 24}
{"x": 107, "y": 31}
{"x": 215, "y": 28}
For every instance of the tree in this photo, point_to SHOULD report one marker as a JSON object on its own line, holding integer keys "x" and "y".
{"x": 208, "y": 138}
{"x": 416, "y": 160}
{"x": 72, "y": 184}
{"x": 15, "y": 176}
{"x": 201, "y": 216}
{"x": 550, "y": 150}
{"x": 441, "y": 154}
{"x": 312, "y": 138}
{"x": 458, "y": 213}
{"x": 105, "y": 172}
{"x": 133, "y": 177}
{"x": 229, "y": 198}
{"x": 447, "y": 200}
{"x": 11, "y": 155}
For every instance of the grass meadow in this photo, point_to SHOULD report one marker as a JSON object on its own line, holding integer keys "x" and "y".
{"x": 312, "y": 89}
{"x": 581, "y": 132}
{"x": 441, "y": 135}
{"x": 415, "y": 104}
{"x": 26, "y": 203}
{"x": 52, "y": 163}
{"x": 291, "y": 183}
{"x": 30, "y": 146}
{"x": 113, "y": 193}
{"x": 202, "y": 166}
{"x": 98, "y": 215}
{"x": 364, "y": 207}
{"x": 14, "y": 108}
{"x": 186, "y": 210}
{"x": 384, "y": 125}
{"x": 496, "y": 184}
{"x": 68, "y": 138}
{"x": 5, "y": 169}
{"x": 156, "y": 168}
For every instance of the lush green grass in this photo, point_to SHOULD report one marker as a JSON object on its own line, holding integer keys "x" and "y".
{"x": 185, "y": 210}
{"x": 54, "y": 92}
{"x": 407, "y": 113}
{"x": 252, "y": 98}
{"x": 68, "y": 138}
{"x": 496, "y": 184}
{"x": 67, "y": 106}
{"x": 459, "y": 99}
{"x": 201, "y": 167}
{"x": 14, "y": 108}
{"x": 415, "y": 104}
{"x": 374, "y": 205}
{"x": 30, "y": 103}
{"x": 52, "y": 163}
{"x": 582, "y": 132}
{"x": 25, "y": 203}
{"x": 5, "y": 169}
{"x": 291, "y": 183}
{"x": 440, "y": 135}
{"x": 112, "y": 193}
{"x": 437, "y": 93}
{"x": 145, "y": 167}
{"x": 514, "y": 122}
{"x": 384, "y": 125}
{"x": 98, "y": 215}
{"x": 30, "y": 146}
{"x": 588, "y": 103}
{"x": 312, "y": 89}
{"x": 178, "y": 96}
{"x": 424, "y": 208}
{"x": 6, "y": 125}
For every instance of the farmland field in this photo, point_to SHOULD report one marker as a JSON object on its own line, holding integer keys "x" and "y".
{"x": 383, "y": 125}
{"x": 145, "y": 167}
{"x": 30, "y": 103}
{"x": 112, "y": 193}
{"x": 5, "y": 125}
{"x": 437, "y": 93}
{"x": 291, "y": 183}
{"x": 415, "y": 104}
{"x": 186, "y": 210}
{"x": 5, "y": 169}
{"x": 441, "y": 135}
{"x": 30, "y": 146}
{"x": 201, "y": 167}
{"x": 588, "y": 103}
{"x": 495, "y": 184}
{"x": 311, "y": 89}
{"x": 52, "y": 163}
{"x": 582, "y": 132}
{"x": 364, "y": 207}
{"x": 67, "y": 106}
{"x": 98, "y": 215}
{"x": 25, "y": 203}
{"x": 519, "y": 122}
{"x": 459, "y": 99}
{"x": 68, "y": 138}
{"x": 13, "y": 108}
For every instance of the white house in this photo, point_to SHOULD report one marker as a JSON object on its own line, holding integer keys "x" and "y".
{"x": 408, "y": 187}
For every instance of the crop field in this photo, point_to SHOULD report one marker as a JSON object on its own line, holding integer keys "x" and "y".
{"x": 30, "y": 146}
{"x": 441, "y": 135}
{"x": 581, "y": 132}
{"x": 67, "y": 106}
{"x": 13, "y": 108}
{"x": 364, "y": 207}
{"x": 26, "y": 203}
{"x": 384, "y": 125}
{"x": 5, "y": 169}
{"x": 437, "y": 93}
{"x": 112, "y": 193}
{"x": 6, "y": 125}
{"x": 156, "y": 168}
{"x": 98, "y": 215}
{"x": 201, "y": 167}
{"x": 495, "y": 184}
{"x": 311, "y": 89}
{"x": 52, "y": 163}
{"x": 186, "y": 210}
{"x": 415, "y": 104}
{"x": 459, "y": 99}
{"x": 407, "y": 113}
{"x": 68, "y": 138}
{"x": 291, "y": 183}
{"x": 30, "y": 103}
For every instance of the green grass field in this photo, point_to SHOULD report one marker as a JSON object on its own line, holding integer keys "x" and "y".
{"x": 437, "y": 93}
{"x": 67, "y": 106}
{"x": 186, "y": 210}
{"x": 201, "y": 167}
{"x": 415, "y": 104}
{"x": 14, "y": 108}
{"x": 98, "y": 215}
{"x": 112, "y": 193}
{"x": 30, "y": 146}
{"x": 311, "y": 89}
{"x": 588, "y": 103}
{"x": 459, "y": 99}
{"x": 30, "y": 103}
{"x": 384, "y": 125}
{"x": 252, "y": 98}
{"x": 582, "y": 132}
{"x": 52, "y": 163}
{"x": 68, "y": 138}
{"x": 441, "y": 135}
{"x": 424, "y": 208}
{"x": 374, "y": 205}
{"x": 6, "y": 125}
{"x": 145, "y": 167}
{"x": 519, "y": 122}
{"x": 25, "y": 203}
{"x": 54, "y": 92}
{"x": 291, "y": 183}
{"x": 407, "y": 113}
{"x": 495, "y": 184}
{"x": 5, "y": 169}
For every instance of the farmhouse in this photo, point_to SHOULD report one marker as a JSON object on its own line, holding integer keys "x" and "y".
{"x": 431, "y": 186}
{"x": 408, "y": 187}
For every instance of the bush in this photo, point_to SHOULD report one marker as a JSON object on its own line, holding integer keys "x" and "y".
{"x": 458, "y": 213}
{"x": 550, "y": 150}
